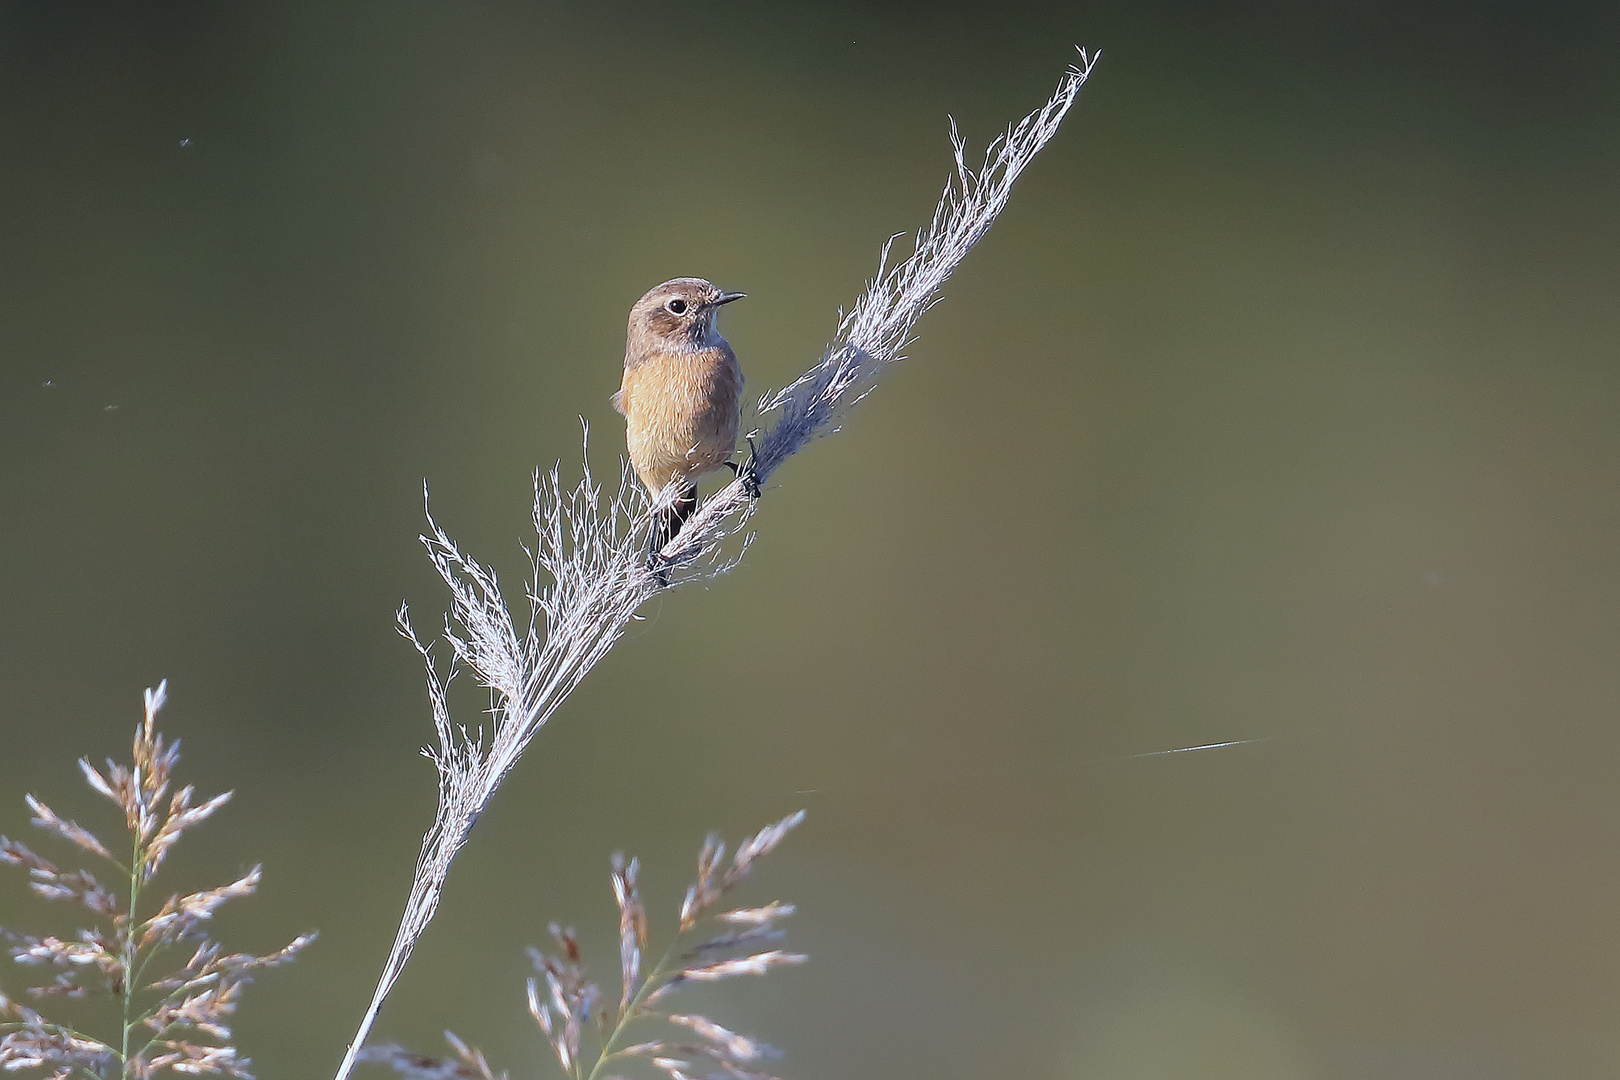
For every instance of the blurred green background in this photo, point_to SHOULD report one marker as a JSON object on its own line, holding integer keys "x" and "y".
{"x": 1283, "y": 403}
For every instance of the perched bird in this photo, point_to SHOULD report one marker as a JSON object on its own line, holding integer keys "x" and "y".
{"x": 681, "y": 397}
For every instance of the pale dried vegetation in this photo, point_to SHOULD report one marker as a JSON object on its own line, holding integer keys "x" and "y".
{"x": 588, "y": 1031}
{"x": 590, "y": 574}
{"x": 168, "y": 989}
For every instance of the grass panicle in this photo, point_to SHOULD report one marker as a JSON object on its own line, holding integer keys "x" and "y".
{"x": 177, "y": 1021}
{"x": 589, "y": 1031}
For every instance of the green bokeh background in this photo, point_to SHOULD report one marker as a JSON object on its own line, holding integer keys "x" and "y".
{"x": 1283, "y": 403}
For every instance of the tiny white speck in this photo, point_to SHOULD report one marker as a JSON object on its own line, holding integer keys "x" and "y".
{"x": 110, "y": 408}
{"x": 48, "y": 384}
{"x": 185, "y": 142}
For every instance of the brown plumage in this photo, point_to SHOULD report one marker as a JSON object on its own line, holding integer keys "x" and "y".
{"x": 682, "y": 394}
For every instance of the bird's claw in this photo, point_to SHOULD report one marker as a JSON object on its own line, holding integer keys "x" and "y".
{"x": 656, "y": 565}
{"x": 747, "y": 472}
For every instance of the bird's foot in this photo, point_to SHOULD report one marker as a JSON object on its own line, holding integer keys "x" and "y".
{"x": 747, "y": 472}
{"x": 655, "y": 560}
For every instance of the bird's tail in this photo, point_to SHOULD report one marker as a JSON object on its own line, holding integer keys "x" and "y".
{"x": 666, "y": 525}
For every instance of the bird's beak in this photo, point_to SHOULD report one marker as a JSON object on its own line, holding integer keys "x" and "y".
{"x": 728, "y": 297}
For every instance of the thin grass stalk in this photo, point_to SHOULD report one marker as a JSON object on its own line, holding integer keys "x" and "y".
{"x": 589, "y": 566}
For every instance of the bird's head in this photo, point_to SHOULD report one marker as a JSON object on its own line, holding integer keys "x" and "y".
{"x": 678, "y": 314}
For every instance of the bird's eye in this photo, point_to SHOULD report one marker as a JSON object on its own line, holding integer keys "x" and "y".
{"x": 676, "y": 307}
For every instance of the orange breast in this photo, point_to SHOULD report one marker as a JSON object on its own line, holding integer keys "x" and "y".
{"x": 682, "y": 411}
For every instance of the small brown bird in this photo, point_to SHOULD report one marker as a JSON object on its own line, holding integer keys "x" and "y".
{"x": 682, "y": 395}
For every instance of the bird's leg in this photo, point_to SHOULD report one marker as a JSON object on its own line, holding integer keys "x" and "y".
{"x": 666, "y": 525}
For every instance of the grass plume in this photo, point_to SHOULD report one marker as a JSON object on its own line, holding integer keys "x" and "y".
{"x": 589, "y": 565}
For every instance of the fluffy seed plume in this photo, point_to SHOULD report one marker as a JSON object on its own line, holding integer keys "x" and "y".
{"x": 589, "y": 567}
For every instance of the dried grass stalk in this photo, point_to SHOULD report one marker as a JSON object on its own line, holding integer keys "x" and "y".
{"x": 589, "y": 565}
